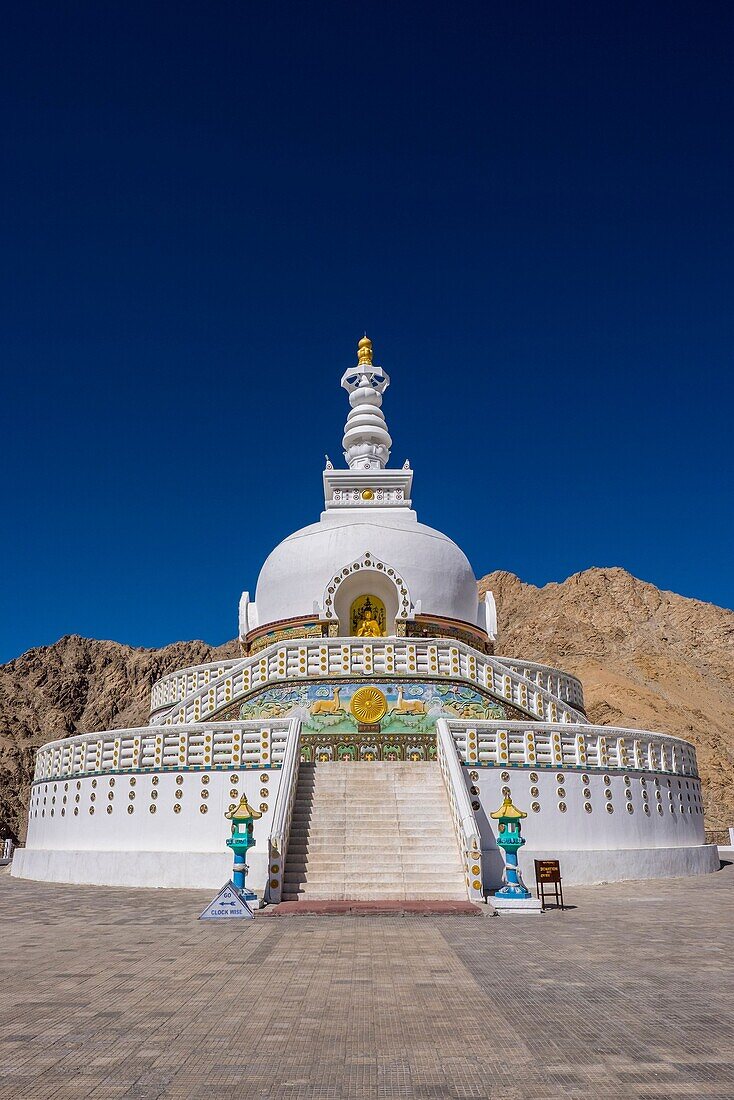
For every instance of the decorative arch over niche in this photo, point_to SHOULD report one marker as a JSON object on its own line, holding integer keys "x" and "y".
{"x": 367, "y": 576}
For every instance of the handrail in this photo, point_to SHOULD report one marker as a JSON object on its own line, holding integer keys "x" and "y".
{"x": 518, "y": 663}
{"x": 283, "y": 813}
{"x": 465, "y": 825}
{"x": 305, "y": 658}
{"x": 258, "y": 744}
{"x": 188, "y": 670}
{"x": 502, "y": 743}
{"x": 504, "y": 669}
{"x": 162, "y": 710}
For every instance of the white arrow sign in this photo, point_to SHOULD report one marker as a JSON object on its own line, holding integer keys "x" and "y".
{"x": 229, "y": 904}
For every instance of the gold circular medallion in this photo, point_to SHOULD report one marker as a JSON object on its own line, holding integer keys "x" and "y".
{"x": 368, "y": 705}
{"x": 367, "y": 494}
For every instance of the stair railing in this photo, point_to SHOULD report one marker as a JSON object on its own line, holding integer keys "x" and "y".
{"x": 465, "y": 825}
{"x": 302, "y": 659}
{"x": 283, "y": 813}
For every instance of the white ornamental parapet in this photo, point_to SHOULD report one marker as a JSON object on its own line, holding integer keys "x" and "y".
{"x": 563, "y": 745}
{"x": 158, "y": 748}
{"x": 561, "y": 684}
{"x": 334, "y": 658}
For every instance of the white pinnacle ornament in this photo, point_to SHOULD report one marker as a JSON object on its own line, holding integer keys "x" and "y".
{"x": 366, "y": 439}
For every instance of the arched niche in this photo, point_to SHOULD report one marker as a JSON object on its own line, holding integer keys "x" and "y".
{"x": 367, "y": 577}
{"x": 365, "y": 582}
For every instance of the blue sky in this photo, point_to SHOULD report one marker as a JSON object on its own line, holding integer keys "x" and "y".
{"x": 527, "y": 206}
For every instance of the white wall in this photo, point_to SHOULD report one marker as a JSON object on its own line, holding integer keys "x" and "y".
{"x": 188, "y": 849}
{"x": 596, "y": 845}
{"x": 577, "y": 828}
{"x": 198, "y": 829}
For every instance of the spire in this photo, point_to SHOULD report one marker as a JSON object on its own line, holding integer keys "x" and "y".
{"x": 366, "y": 439}
{"x": 364, "y": 352}
{"x": 367, "y": 484}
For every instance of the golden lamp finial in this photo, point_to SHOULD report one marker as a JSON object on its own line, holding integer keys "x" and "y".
{"x": 243, "y": 809}
{"x": 508, "y": 811}
{"x": 364, "y": 352}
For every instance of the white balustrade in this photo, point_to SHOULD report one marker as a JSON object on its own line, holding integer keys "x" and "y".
{"x": 465, "y": 826}
{"x": 283, "y": 812}
{"x": 566, "y": 745}
{"x": 205, "y": 745}
{"x": 178, "y": 685}
{"x": 561, "y": 684}
{"x": 332, "y": 658}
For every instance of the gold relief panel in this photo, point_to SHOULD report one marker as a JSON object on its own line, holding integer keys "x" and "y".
{"x": 368, "y": 618}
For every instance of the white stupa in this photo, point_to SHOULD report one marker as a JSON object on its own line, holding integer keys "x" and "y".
{"x": 367, "y": 510}
{"x": 373, "y": 727}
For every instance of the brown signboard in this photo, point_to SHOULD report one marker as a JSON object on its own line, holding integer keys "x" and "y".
{"x": 548, "y": 874}
{"x": 547, "y": 870}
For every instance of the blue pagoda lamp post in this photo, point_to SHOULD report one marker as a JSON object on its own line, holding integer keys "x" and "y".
{"x": 243, "y": 818}
{"x": 510, "y": 841}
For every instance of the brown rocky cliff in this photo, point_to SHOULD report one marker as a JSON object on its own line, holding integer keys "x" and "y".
{"x": 646, "y": 658}
{"x": 77, "y": 685}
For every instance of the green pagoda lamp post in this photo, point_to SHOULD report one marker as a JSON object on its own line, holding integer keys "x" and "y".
{"x": 243, "y": 818}
{"x": 510, "y": 841}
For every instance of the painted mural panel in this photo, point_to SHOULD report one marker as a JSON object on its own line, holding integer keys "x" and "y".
{"x": 410, "y": 708}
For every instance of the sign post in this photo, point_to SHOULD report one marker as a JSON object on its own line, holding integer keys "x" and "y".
{"x": 234, "y": 901}
{"x": 547, "y": 874}
{"x": 229, "y": 904}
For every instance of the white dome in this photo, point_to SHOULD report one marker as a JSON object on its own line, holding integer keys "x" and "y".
{"x": 439, "y": 578}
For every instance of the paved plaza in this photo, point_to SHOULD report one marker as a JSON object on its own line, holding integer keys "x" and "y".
{"x": 122, "y": 993}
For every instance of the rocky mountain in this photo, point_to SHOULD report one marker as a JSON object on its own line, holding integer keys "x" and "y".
{"x": 77, "y": 685}
{"x": 646, "y": 658}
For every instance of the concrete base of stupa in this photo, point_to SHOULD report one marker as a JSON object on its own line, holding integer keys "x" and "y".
{"x": 170, "y": 870}
{"x": 208, "y": 870}
{"x": 587, "y": 867}
{"x": 593, "y": 866}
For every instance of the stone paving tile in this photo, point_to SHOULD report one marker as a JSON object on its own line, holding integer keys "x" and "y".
{"x": 122, "y": 993}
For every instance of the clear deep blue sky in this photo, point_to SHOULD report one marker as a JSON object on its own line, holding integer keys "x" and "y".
{"x": 203, "y": 206}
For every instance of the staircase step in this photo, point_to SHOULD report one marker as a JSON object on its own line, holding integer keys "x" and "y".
{"x": 337, "y": 880}
{"x": 317, "y": 875}
{"x": 356, "y": 858}
{"x": 356, "y": 835}
{"x": 372, "y": 831}
{"x": 361, "y": 827}
{"x": 372, "y": 895}
{"x": 370, "y": 846}
{"x": 420, "y": 814}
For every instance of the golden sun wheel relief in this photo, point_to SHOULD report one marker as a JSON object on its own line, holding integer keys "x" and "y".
{"x": 368, "y": 705}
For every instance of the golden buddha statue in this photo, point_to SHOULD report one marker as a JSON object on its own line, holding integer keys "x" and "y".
{"x": 368, "y": 626}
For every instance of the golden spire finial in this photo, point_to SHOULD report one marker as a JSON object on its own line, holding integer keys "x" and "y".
{"x": 364, "y": 352}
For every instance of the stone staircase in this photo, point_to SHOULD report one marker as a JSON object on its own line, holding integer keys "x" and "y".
{"x": 372, "y": 831}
